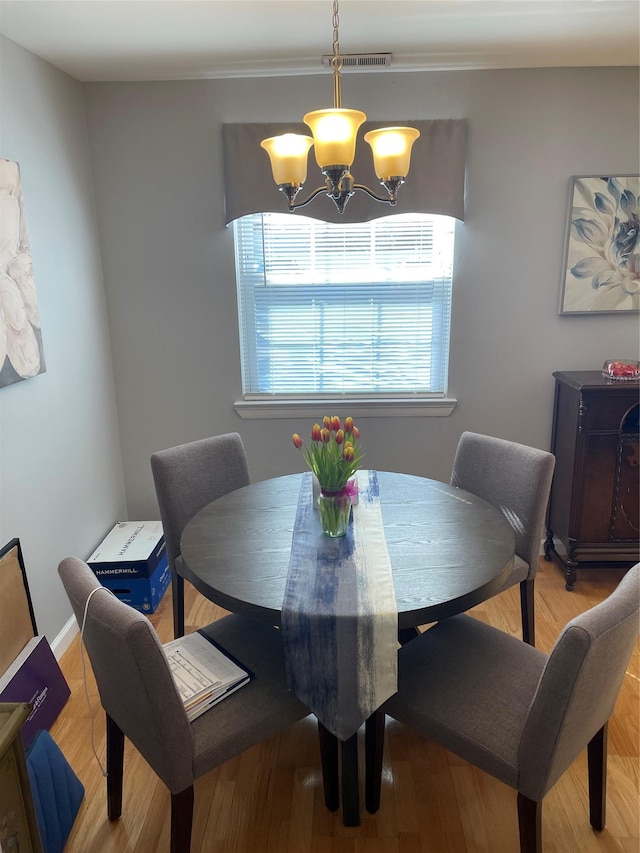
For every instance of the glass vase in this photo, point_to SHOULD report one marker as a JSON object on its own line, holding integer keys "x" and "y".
{"x": 334, "y": 508}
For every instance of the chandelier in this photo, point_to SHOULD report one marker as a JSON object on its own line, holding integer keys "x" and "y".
{"x": 334, "y": 137}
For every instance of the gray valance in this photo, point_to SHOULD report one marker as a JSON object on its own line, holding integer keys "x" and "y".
{"x": 435, "y": 183}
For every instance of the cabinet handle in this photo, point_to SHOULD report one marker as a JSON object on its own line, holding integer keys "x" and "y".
{"x": 582, "y": 414}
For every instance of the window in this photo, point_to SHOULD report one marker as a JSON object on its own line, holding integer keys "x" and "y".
{"x": 355, "y": 309}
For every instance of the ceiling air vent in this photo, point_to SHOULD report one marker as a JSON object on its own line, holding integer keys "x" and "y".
{"x": 361, "y": 60}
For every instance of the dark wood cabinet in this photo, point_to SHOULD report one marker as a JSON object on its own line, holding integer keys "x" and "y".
{"x": 594, "y": 506}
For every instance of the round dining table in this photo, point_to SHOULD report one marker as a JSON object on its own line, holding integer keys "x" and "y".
{"x": 449, "y": 550}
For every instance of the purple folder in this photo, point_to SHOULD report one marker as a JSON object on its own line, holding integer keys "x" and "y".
{"x": 35, "y": 677}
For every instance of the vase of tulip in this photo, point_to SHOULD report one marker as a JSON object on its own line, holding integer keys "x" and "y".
{"x": 333, "y": 456}
{"x": 335, "y": 511}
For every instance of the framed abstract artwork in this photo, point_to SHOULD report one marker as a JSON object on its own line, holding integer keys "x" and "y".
{"x": 21, "y": 354}
{"x": 601, "y": 272}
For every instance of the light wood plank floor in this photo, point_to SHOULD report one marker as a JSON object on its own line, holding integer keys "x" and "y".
{"x": 269, "y": 800}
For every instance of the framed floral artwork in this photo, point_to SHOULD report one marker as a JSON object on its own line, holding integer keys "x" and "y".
{"x": 21, "y": 354}
{"x": 601, "y": 273}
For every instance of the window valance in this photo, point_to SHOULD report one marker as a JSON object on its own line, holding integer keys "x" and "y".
{"x": 435, "y": 183}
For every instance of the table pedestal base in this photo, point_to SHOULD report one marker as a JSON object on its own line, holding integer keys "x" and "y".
{"x": 350, "y": 783}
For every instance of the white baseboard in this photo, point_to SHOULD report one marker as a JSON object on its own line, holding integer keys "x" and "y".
{"x": 64, "y": 639}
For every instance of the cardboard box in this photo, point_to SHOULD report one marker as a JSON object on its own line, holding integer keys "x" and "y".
{"x": 132, "y": 549}
{"x": 35, "y": 677}
{"x": 142, "y": 593}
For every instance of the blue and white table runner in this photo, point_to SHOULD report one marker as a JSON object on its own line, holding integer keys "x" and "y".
{"x": 339, "y": 615}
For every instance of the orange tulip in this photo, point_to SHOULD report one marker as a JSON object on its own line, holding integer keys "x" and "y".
{"x": 334, "y": 454}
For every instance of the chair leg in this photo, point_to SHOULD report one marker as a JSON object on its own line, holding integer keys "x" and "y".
{"x": 329, "y": 761}
{"x": 527, "y": 610}
{"x": 115, "y": 769}
{"x": 530, "y": 824}
{"x": 350, "y": 783}
{"x": 597, "y": 761}
{"x": 177, "y": 591}
{"x": 374, "y": 752}
{"x": 181, "y": 820}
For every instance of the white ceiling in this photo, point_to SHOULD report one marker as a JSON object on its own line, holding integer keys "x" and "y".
{"x": 181, "y": 39}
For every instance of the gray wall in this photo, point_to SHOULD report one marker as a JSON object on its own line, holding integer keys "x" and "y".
{"x": 61, "y": 483}
{"x": 169, "y": 266}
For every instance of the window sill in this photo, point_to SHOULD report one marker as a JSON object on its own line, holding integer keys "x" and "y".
{"x": 357, "y": 407}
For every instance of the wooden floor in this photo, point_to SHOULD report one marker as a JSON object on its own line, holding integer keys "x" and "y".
{"x": 269, "y": 800}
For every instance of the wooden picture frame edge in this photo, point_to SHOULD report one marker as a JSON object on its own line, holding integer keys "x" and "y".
{"x": 4, "y": 550}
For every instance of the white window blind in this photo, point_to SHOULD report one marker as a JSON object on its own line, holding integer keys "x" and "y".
{"x": 360, "y": 308}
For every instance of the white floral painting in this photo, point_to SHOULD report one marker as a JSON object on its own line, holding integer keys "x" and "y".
{"x": 602, "y": 263}
{"x": 21, "y": 354}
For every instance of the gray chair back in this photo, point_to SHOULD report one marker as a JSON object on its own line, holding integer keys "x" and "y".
{"x": 133, "y": 676}
{"x": 579, "y": 686}
{"x": 190, "y": 476}
{"x": 515, "y": 478}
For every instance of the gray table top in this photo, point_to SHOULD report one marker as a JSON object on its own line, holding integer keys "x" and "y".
{"x": 449, "y": 549}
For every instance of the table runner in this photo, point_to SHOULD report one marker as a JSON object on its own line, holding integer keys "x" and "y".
{"x": 339, "y": 616}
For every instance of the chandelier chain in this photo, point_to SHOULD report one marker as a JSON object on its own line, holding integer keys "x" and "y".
{"x": 336, "y": 59}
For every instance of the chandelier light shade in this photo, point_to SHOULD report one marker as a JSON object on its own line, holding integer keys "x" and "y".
{"x": 334, "y": 135}
{"x": 391, "y": 149}
{"x": 288, "y": 154}
{"x": 334, "y": 140}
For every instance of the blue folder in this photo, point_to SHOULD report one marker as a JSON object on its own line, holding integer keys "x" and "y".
{"x": 57, "y": 791}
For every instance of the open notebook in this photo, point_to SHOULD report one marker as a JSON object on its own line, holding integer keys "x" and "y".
{"x": 203, "y": 673}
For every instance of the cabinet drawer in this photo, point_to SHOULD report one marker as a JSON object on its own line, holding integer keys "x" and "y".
{"x": 606, "y": 412}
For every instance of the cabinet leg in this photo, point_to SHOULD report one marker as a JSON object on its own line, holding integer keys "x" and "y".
{"x": 572, "y": 565}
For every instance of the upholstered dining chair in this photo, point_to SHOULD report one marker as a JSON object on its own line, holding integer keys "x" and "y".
{"x": 511, "y": 710}
{"x": 187, "y": 478}
{"x": 516, "y": 479}
{"x": 141, "y": 702}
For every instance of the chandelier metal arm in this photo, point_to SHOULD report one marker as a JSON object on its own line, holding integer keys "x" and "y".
{"x": 315, "y": 193}
{"x": 342, "y": 197}
{"x": 371, "y": 194}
